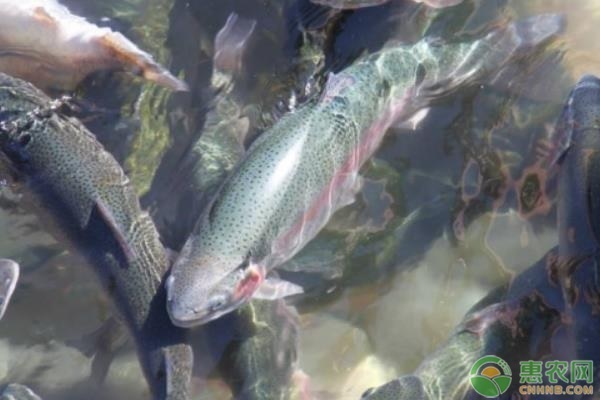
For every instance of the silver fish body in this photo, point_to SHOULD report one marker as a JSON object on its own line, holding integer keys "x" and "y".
{"x": 9, "y": 275}
{"x": 58, "y": 49}
{"x": 297, "y": 174}
{"x": 80, "y": 190}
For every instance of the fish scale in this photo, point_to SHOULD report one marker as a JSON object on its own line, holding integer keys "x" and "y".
{"x": 81, "y": 192}
{"x": 298, "y": 173}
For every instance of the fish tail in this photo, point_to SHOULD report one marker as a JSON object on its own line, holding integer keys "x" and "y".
{"x": 470, "y": 63}
{"x": 179, "y": 363}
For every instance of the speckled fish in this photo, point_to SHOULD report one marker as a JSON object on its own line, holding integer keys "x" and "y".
{"x": 557, "y": 293}
{"x": 298, "y": 173}
{"x": 80, "y": 191}
{"x": 58, "y": 49}
{"x": 9, "y": 275}
{"x": 352, "y": 4}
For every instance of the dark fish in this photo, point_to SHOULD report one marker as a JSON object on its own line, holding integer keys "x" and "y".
{"x": 82, "y": 192}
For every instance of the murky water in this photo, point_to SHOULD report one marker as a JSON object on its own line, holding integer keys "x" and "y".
{"x": 443, "y": 217}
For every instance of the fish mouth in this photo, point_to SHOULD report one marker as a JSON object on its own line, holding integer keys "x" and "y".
{"x": 188, "y": 317}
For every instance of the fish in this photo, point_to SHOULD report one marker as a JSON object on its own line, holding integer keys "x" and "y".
{"x": 354, "y": 4}
{"x": 15, "y": 391}
{"x": 220, "y": 145}
{"x": 579, "y": 194}
{"x": 298, "y": 173}
{"x": 59, "y": 49}
{"x": 262, "y": 362}
{"x": 302, "y": 170}
{"x": 9, "y": 275}
{"x": 81, "y": 193}
{"x": 550, "y": 309}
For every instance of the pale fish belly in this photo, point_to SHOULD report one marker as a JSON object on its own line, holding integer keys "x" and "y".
{"x": 342, "y": 188}
{"x": 59, "y": 49}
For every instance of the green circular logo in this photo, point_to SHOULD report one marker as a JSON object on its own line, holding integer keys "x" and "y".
{"x": 490, "y": 376}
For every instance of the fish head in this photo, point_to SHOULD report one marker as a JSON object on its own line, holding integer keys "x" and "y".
{"x": 198, "y": 292}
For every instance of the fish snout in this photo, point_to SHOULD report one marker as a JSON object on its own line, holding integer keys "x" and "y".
{"x": 190, "y": 306}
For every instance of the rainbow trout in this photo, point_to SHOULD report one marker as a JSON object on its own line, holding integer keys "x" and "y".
{"x": 549, "y": 310}
{"x": 9, "y": 275}
{"x": 298, "y": 173}
{"x": 81, "y": 191}
{"x": 59, "y": 49}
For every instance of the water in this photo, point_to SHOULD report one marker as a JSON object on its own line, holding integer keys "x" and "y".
{"x": 424, "y": 241}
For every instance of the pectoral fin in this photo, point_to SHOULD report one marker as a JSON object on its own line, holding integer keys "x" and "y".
{"x": 274, "y": 288}
{"x": 118, "y": 234}
{"x": 9, "y": 275}
{"x": 102, "y": 344}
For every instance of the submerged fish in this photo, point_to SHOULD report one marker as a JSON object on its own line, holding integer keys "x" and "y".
{"x": 58, "y": 49}
{"x": 81, "y": 191}
{"x": 297, "y": 174}
{"x": 9, "y": 275}
{"x": 262, "y": 363}
{"x": 220, "y": 145}
{"x": 551, "y": 309}
{"x": 351, "y": 4}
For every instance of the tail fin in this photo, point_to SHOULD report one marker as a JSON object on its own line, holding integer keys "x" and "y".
{"x": 463, "y": 63}
{"x": 231, "y": 42}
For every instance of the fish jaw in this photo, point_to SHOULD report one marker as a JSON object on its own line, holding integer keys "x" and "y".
{"x": 191, "y": 302}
